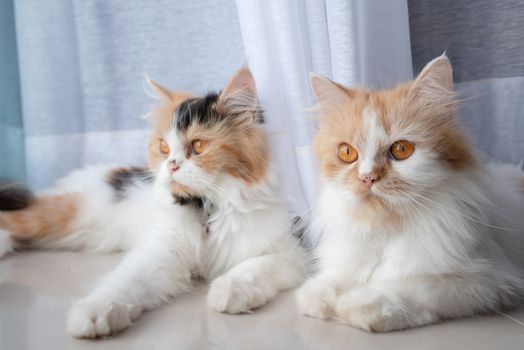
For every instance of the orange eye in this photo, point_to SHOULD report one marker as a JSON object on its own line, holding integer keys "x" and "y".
{"x": 163, "y": 147}
{"x": 199, "y": 146}
{"x": 346, "y": 153}
{"x": 402, "y": 149}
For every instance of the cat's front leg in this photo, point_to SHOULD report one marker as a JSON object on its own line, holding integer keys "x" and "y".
{"x": 414, "y": 301}
{"x": 372, "y": 310}
{"x": 147, "y": 277}
{"x": 94, "y": 317}
{"x": 254, "y": 282}
{"x": 317, "y": 297}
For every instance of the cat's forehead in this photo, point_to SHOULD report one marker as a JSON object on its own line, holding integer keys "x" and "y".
{"x": 382, "y": 113}
{"x": 196, "y": 110}
{"x": 387, "y": 108}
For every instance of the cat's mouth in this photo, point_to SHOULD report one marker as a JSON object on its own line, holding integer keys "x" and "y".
{"x": 369, "y": 191}
{"x": 375, "y": 193}
{"x": 369, "y": 194}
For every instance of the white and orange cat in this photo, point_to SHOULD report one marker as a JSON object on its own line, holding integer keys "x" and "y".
{"x": 410, "y": 228}
{"x": 228, "y": 226}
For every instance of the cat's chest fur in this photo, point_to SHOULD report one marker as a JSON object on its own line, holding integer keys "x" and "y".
{"x": 230, "y": 236}
{"x": 238, "y": 223}
{"x": 362, "y": 251}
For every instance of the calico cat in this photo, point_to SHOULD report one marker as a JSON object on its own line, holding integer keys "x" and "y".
{"x": 228, "y": 225}
{"x": 410, "y": 228}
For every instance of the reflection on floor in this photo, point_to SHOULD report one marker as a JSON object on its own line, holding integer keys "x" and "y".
{"x": 36, "y": 289}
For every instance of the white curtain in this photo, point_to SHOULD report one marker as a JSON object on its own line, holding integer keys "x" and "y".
{"x": 354, "y": 42}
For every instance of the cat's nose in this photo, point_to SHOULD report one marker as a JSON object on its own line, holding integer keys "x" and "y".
{"x": 173, "y": 166}
{"x": 369, "y": 179}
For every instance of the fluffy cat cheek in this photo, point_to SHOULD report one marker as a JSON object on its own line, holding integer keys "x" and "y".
{"x": 421, "y": 170}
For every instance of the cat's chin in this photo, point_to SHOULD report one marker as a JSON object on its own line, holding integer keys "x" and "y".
{"x": 179, "y": 190}
{"x": 373, "y": 211}
{"x": 374, "y": 205}
{"x": 369, "y": 194}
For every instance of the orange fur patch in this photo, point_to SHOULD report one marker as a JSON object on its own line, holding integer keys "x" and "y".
{"x": 237, "y": 149}
{"x": 46, "y": 217}
{"x": 180, "y": 190}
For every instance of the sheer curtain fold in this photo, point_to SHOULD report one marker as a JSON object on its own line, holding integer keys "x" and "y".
{"x": 352, "y": 42}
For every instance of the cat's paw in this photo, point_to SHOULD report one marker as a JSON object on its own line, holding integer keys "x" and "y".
{"x": 316, "y": 299}
{"x": 5, "y": 243}
{"x": 94, "y": 318}
{"x": 235, "y": 295}
{"x": 370, "y": 310}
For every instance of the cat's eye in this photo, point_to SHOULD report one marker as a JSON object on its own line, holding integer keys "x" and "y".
{"x": 199, "y": 146}
{"x": 163, "y": 147}
{"x": 346, "y": 153}
{"x": 401, "y": 149}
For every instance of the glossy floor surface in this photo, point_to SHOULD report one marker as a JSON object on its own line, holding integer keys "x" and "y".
{"x": 36, "y": 289}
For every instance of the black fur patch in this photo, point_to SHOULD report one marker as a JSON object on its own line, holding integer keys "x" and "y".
{"x": 298, "y": 227}
{"x": 197, "y": 202}
{"x": 121, "y": 179}
{"x": 14, "y": 196}
{"x": 260, "y": 119}
{"x": 201, "y": 111}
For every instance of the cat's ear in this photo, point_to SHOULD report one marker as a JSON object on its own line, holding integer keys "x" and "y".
{"x": 159, "y": 91}
{"x": 436, "y": 76}
{"x": 328, "y": 93}
{"x": 241, "y": 88}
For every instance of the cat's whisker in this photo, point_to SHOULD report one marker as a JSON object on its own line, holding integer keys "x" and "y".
{"x": 437, "y": 204}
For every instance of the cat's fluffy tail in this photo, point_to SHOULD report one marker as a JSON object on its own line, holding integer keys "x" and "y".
{"x": 25, "y": 217}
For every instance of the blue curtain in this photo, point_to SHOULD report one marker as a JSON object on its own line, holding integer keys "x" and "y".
{"x": 12, "y": 152}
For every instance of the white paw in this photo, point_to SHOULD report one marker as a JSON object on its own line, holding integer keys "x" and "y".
{"x": 95, "y": 318}
{"x": 316, "y": 299}
{"x": 234, "y": 296}
{"x": 372, "y": 311}
{"x": 5, "y": 243}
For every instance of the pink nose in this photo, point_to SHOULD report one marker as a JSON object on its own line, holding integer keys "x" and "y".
{"x": 172, "y": 167}
{"x": 369, "y": 179}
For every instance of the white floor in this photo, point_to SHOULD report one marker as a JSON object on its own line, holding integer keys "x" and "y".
{"x": 36, "y": 289}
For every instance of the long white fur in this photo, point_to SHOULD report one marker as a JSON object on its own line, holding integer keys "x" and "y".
{"x": 459, "y": 254}
{"x": 459, "y": 250}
